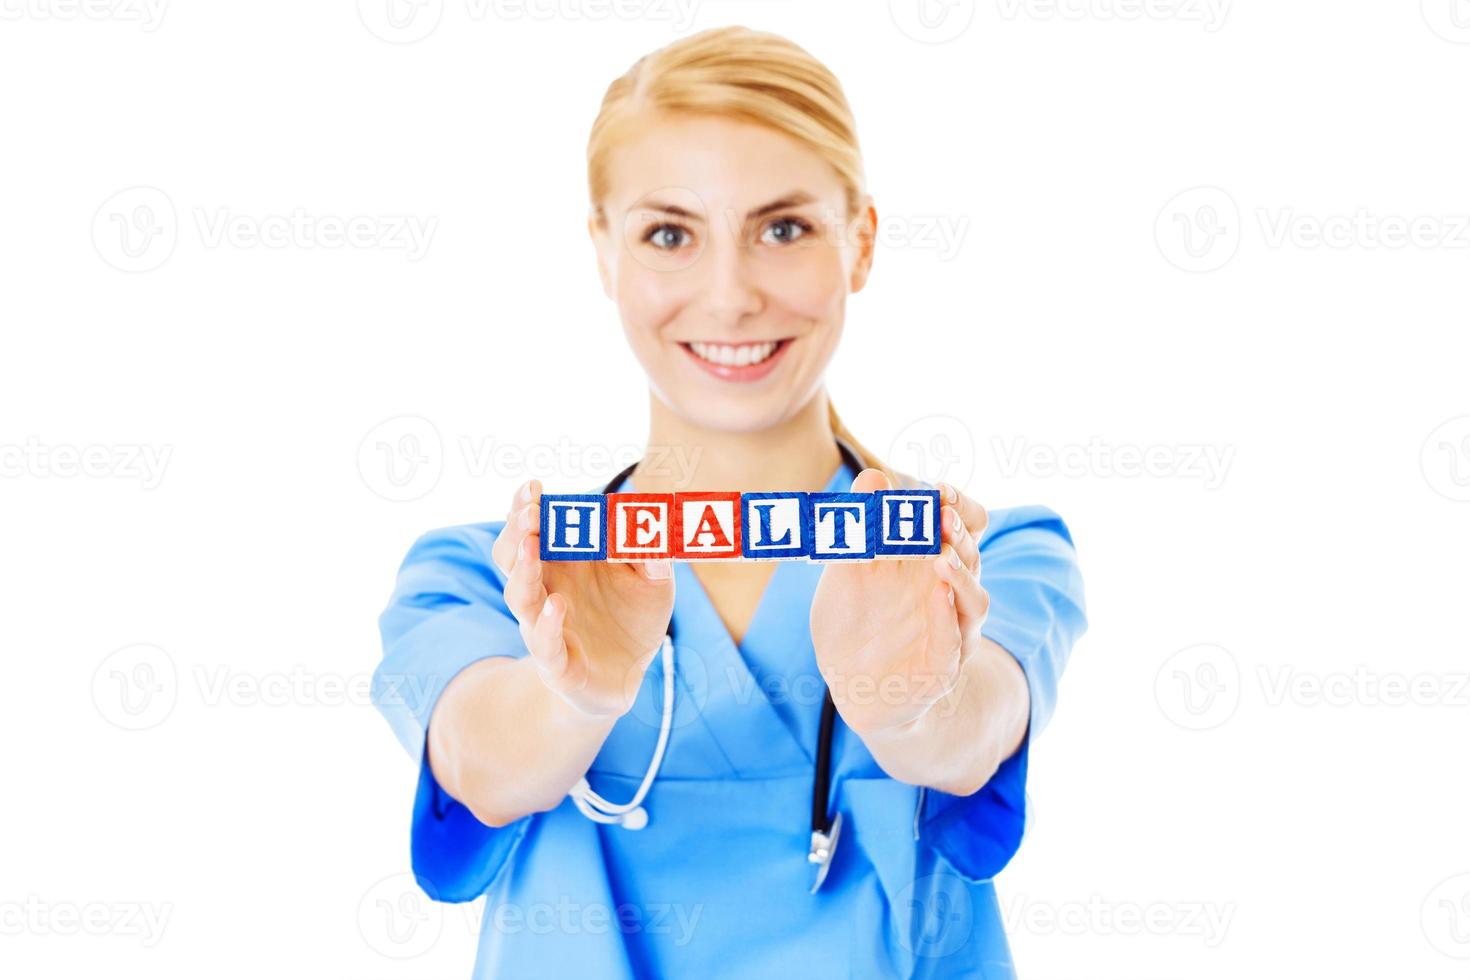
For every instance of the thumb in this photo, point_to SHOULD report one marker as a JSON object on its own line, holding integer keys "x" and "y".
{"x": 870, "y": 480}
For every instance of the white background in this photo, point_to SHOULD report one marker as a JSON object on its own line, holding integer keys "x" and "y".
{"x": 1235, "y": 782}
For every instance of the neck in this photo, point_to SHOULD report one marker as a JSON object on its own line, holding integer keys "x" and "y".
{"x": 798, "y": 454}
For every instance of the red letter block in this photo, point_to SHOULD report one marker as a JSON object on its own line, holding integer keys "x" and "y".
{"x": 639, "y": 526}
{"x": 707, "y": 526}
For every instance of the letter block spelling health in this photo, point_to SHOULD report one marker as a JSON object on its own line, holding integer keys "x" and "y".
{"x": 719, "y": 526}
{"x": 908, "y": 522}
{"x": 572, "y": 527}
{"x": 707, "y": 526}
{"x": 640, "y": 526}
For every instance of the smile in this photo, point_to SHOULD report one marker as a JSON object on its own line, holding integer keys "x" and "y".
{"x": 737, "y": 362}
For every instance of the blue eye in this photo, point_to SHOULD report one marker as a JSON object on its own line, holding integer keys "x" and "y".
{"x": 666, "y": 237}
{"x": 785, "y": 230}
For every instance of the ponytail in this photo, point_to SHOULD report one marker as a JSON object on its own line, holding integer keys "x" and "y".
{"x": 866, "y": 456}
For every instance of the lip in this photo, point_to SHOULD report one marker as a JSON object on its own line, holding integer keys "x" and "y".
{"x": 742, "y": 373}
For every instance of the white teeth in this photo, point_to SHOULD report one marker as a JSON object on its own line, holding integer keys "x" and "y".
{"x": 732, "y": 355}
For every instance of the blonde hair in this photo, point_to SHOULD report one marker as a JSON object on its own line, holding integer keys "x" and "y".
{"x": 749, "y": 75}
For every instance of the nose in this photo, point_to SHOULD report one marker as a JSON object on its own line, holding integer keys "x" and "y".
{"x": 730, "y": 290}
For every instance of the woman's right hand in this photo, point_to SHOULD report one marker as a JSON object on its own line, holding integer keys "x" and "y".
{"x": 592, "y": 627}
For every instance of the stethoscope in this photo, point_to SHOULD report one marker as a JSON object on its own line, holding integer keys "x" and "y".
{"x": 632, "y": 815}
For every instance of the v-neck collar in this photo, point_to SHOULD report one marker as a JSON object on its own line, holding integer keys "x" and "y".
{"x": 770, "y": 675}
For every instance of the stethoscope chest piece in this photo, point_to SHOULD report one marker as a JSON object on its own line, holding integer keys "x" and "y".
{"x": 824, "y": 845}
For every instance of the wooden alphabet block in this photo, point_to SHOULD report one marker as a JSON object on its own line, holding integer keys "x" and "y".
{"x": 707, "y": 526}
{"x": 908, "y": 523}
{"x": 843, "y": 526}
{"x": 776, "y": 525}
{"x": 640, "y": 526}
{"x": 573, "y": 527}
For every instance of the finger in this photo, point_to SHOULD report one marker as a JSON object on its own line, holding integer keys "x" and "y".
{"x": 524, "y": 516}
{"x": 547, "y": 639}
{"x": 945, "y": 636}
{"x": 525, "y": 591}
{"x": 870, "y": 480}
{"x": 957, "y": 535}
{"x": 971, "y": 601}
{"x": 975, "y": 517}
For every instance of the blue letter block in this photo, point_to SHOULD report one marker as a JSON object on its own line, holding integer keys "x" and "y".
{"x": 777, "y": 525}
{"x": 908, "y": 522}
{"x": 573, "y": 527}
{"x": 843, "y": 526}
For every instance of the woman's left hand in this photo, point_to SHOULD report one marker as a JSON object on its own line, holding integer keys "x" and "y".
{"x": 891, "y": 636}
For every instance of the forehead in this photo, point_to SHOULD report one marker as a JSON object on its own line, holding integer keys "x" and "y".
{"x": 726, "y": 162}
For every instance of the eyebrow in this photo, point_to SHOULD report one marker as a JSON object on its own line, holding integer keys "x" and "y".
{"x": 791, "y": 200}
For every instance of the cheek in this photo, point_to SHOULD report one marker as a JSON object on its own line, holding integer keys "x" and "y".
{"x": 810, "y": 284}
{"x": 647, "y": 299}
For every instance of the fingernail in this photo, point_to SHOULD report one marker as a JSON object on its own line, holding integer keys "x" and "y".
{"x": 951, "y": 597}
{"x": 658, "y": 570}
{"x": 522, "y": 493}
{"x": 525, "y": 519}
{"x": 954, "y": 558}
{"x": 949, "y": 493}
{"x": 547, "y": 609}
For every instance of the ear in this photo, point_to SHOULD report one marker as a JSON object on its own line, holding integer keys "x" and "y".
{"x": 600, "y": 244}
{"x": 863, "y": 232}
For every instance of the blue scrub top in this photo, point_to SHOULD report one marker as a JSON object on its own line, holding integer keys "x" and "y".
{"x": 718, "y": 882}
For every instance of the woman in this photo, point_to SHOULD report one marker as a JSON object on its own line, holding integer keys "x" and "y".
{"x": 731, "y": 223}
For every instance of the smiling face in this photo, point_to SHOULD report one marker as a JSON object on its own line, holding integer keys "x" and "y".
{"x": 730, "y": 253}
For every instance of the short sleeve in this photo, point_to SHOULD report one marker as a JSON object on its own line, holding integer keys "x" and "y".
{"x": 1037, "y": 613}
{"x": 446, "y": 612}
